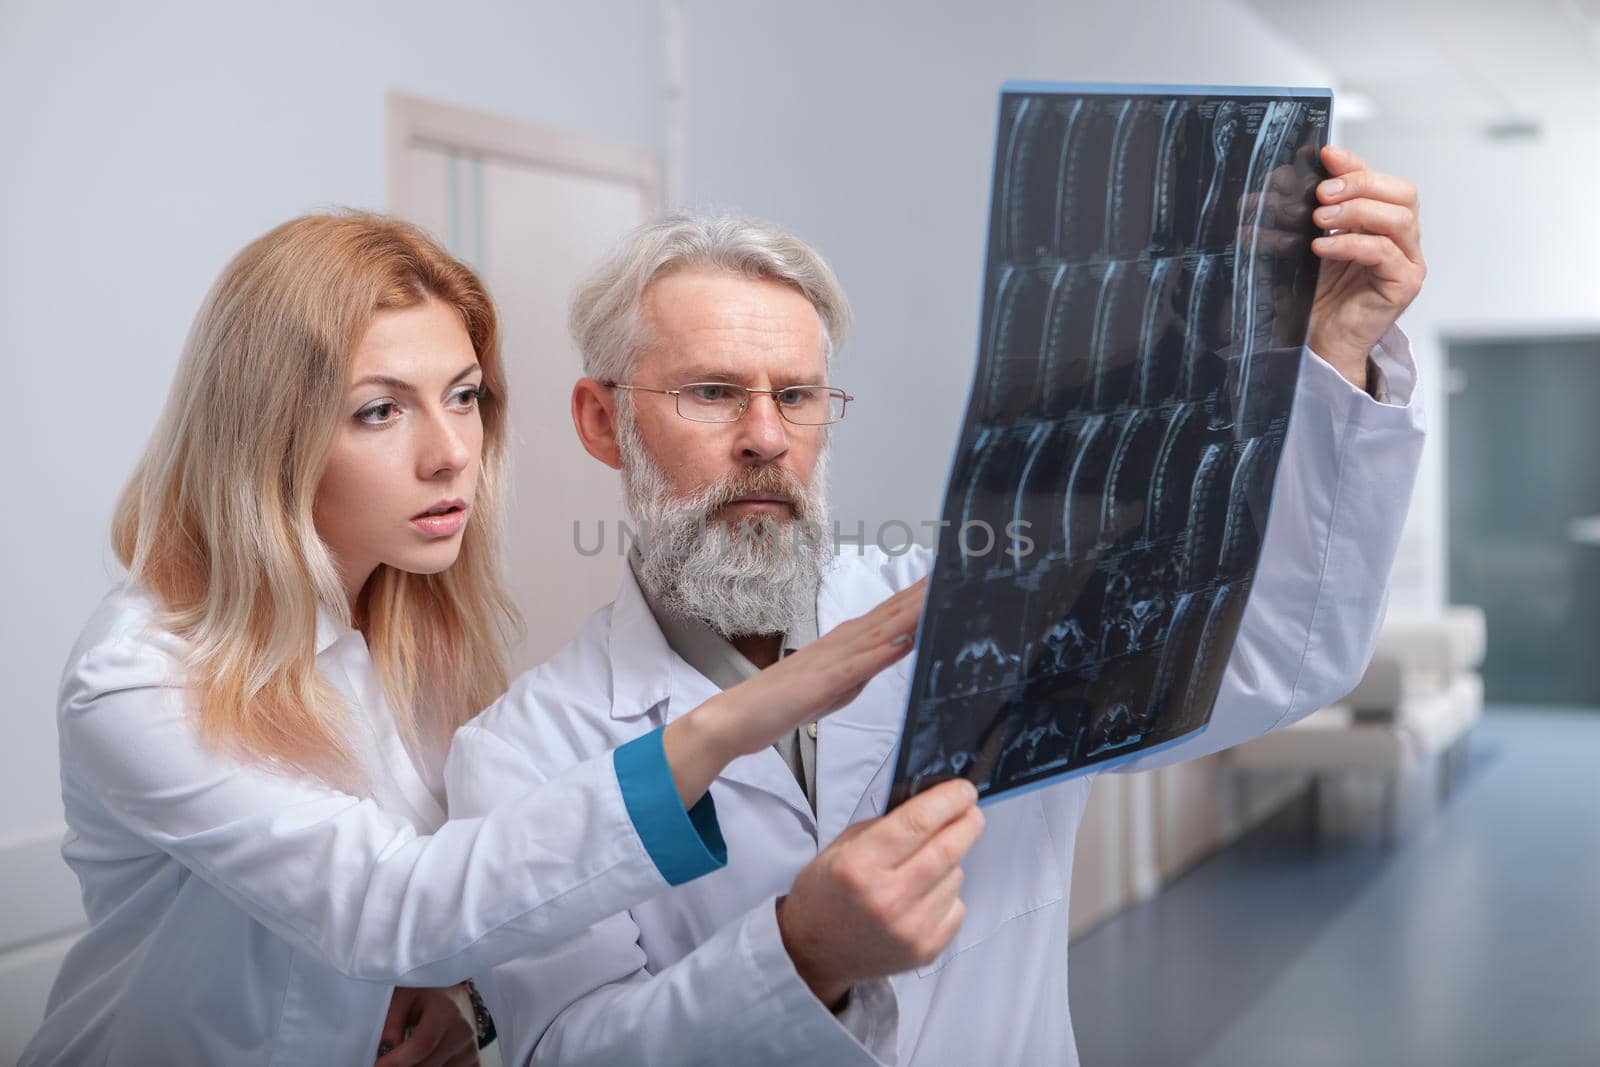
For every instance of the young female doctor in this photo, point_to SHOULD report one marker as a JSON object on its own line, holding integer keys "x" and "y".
{"x": 253, "y": 726}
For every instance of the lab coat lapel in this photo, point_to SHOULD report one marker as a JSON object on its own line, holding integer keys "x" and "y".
{"x": 647, "y": 677}
{"x": 641, "y": 660}
{"x": 396, "y": 777}
{"x": 855, "y": 742}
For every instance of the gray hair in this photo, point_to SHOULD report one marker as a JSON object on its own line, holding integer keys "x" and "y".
{"x": 605, "y": 318}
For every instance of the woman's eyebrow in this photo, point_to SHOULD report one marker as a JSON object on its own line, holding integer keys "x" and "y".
{"x": 387, "y": 382}
{"x": 401, "y": 385}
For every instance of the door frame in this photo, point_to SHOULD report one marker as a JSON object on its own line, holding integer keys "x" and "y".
{"x": 413, "y": 121}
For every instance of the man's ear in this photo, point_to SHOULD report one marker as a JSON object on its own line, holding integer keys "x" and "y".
{"x": 594, "y": 413}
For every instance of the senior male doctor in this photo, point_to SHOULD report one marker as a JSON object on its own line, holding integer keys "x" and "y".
{"x": 707, "y": 343}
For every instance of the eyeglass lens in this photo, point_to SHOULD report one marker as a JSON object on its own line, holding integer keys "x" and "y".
{"x": 803, "y": 405}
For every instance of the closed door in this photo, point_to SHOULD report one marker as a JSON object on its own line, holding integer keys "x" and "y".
{"x": 1524, "y": 530}
{"x": 533, "y": 211}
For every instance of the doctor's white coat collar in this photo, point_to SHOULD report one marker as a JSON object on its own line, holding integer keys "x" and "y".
{"x": 645, "y": 672}
{"x": 405, "y": 783}
{"x": 646, "y": 675}
{"x": 329, "y": 629}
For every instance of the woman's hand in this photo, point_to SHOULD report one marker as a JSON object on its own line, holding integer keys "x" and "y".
{"x": 802, "y": 687}
{"x": 429, "y": 1028}
{"x": 829, "y": 673}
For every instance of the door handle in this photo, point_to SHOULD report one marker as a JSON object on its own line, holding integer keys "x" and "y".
{"x": 1584, "y": 530}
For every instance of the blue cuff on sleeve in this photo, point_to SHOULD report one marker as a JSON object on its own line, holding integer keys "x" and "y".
{"x": 683, "y": 845}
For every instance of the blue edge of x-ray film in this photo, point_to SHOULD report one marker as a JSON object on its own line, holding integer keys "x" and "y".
{"x": 1062, "y": 776}
{"x": 1081, "y": 88}
{"x": 1117, "y": 89}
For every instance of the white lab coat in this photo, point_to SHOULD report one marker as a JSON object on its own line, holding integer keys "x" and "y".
{"x": 244, "y": 917}
{"x": 699, "y": 974}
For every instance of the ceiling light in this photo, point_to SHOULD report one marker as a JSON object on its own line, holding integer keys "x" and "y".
{"x": 1512, "y": 128}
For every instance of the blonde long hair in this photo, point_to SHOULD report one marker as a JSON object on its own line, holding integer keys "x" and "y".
{"x": 216, "y": 520}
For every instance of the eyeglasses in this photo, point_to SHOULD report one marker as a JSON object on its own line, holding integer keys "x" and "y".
{"x": 802, "y": 405}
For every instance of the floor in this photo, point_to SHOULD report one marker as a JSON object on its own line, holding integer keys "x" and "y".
{"x": 1473, "y": 940}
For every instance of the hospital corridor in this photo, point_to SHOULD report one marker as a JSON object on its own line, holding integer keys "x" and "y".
{"x": 903, "y": 534}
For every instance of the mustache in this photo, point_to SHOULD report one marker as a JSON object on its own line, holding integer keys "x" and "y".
{"x": 765, "y": 481}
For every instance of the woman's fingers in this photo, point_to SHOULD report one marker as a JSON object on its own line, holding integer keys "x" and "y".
{"x": 439, "y": 1032}
{"x": 897, "y": 616}
{"x": 817, "y": 680}
{"x": 872, "y": 642}
{"x": 895, "y": 611}
{"x": 881, "y": 636}
{"x": 398, "y": 1017}
{"x": 414, "y": 1051}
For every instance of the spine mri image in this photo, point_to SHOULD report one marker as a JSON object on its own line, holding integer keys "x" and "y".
{"x": 1146, "y": 298}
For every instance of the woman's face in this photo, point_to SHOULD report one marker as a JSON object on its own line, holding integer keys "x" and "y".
{"x": 399, "y": 484}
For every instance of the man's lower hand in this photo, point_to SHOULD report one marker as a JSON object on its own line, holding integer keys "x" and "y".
{"x": 885, "y": 896}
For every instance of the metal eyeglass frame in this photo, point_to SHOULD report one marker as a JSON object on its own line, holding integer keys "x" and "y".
{"x": 843, "y": 397}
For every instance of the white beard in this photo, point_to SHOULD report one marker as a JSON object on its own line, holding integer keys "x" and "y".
{"x": 759, "y": 577}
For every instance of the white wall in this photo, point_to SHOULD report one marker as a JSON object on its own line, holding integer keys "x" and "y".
{"x": 1509, "y": 232}
{"x": 142, "y": 145}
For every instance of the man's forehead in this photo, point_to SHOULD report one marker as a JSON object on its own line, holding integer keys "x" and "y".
{"x": 715, "y": 321}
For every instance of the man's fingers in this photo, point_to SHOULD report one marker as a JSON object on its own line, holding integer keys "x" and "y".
{"x": 931, "y": 915}
{"x": 1284, "y": 180}
{"x": 1267, "y": 241}
{"x": 1272, "y": 212}
{"x": 856, "y": 829}
{"x": 951, "y": 923}
{"x": 1375, "y": 216}
{"x": 1381, "y": 254}
{"x": 905, "y": 829}
{"x": 1340, "y": 161}
{"x": 933, "y": 862}
{"x": 945, "y": 890}
{"x": 1369, "y": 184}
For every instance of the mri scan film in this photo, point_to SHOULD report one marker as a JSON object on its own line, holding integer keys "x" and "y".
{"x": 1146, "y": 297}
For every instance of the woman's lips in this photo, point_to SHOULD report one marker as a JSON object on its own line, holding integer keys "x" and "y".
{"x": 441, "y": 525}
